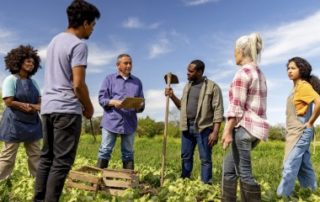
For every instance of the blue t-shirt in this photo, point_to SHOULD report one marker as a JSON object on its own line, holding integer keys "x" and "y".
{"x": 65, "y": 51}
{"x": 9, "y": 86}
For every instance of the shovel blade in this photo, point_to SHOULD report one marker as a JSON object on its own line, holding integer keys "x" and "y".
{"x": 173, "y": 78}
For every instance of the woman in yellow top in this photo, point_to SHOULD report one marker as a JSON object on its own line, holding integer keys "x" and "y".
{"x": 300, "y": 117}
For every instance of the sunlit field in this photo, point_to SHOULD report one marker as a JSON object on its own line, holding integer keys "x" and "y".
{"x": 267, "y": 162}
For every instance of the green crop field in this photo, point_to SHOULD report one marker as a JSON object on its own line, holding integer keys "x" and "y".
{"x": 266, "y": 158}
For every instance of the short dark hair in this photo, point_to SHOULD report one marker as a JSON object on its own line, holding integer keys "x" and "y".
{"x": 15, "y": 58}
{"x": 199, "y": 65}
{"x": 79, "y": 11}
{"x": 305, "y": 69}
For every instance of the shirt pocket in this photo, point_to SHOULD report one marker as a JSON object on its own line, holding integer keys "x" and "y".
{"x": 207, "y": 99}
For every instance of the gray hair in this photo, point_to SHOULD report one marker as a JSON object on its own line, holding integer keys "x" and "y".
{"x": 250, "y": 46}
{"x": 121, "y": 56}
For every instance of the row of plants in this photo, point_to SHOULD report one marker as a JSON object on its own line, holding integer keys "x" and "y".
{"x": 267, "y": 163}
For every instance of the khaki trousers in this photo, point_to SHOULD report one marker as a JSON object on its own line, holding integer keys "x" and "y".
{"x": 9, "y": 153}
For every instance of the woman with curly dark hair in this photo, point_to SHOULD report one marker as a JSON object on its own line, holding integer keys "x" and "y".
{"x": 20, "y": 122}
{"x": 300, "y": 115}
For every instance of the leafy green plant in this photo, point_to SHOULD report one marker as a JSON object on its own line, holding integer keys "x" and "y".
{"x": 266, "y": 157}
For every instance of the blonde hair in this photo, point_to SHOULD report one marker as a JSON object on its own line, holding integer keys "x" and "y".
{"x": 250, "y": 46}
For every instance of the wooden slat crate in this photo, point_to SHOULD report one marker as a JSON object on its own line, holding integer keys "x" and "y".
{"x": 117, "y": 181}
{"x": 95, "y": 179}
{"x": 86, "y": 178}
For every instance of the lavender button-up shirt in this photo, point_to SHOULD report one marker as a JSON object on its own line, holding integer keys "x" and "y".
{"x": 114, "y": 86}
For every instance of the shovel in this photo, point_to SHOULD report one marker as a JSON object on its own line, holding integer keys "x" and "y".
{"x": 169, "y": 79}
{"x": 92, "y": 131}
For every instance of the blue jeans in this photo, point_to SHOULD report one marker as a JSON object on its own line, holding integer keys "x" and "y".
{"x": 189, "y": 140}
{"x": 237, "y": 163}
{"x": 298, "y": 164}
{"x": 109, "y": 140}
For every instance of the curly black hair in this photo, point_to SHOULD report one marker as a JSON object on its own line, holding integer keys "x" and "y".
{"x": 15, "y": 58}
{"x": 79, "y": 11}
{"x": 305, "y": 72}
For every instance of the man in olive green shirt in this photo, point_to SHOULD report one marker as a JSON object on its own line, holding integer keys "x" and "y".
{"x": 201, "y": 114}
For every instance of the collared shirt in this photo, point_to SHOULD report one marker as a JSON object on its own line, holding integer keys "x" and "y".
{"x": 248, "y": 100}
{"x": 210, "y": 106}
{"x": 115, "y": 87}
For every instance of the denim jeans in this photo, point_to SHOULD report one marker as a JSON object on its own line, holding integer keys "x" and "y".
{"x": 61, "y": 133}
{"x": 237, "y": 163}
{"x": 189, "y": 140}
{"x": 109, "y": 140}
{"x": 298, "y": 164}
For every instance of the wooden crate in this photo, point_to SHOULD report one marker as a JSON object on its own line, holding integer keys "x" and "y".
{"x": 116, "y": 182}
{"x": 86, "y": 178}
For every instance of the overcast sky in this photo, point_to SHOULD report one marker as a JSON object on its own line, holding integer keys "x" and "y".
{"x": 165, "y": 35}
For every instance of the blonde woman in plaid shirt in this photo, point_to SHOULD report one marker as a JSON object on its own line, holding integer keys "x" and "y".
{"x": 246, "y": 120}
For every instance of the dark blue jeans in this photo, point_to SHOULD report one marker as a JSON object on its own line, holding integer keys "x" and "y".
{"x": 61, "y": 133}
{"x": 189, "y": 140}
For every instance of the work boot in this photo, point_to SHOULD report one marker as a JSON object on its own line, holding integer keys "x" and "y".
{"x": 229, "y": 191}
{"x": 250, "y": 193}
{"x": 128, "y": 165}
{"x": 102, "y": 163}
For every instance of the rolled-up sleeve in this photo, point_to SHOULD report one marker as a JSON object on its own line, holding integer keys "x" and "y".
{"x": 238, "y": 95}
{"x": 142, "y": 96}
{"x": 217, "y": 105}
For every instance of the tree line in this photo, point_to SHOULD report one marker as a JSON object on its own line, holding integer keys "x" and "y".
{"x": 148, "y": 127}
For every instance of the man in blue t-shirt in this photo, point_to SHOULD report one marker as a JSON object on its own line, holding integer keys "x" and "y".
{"x": 65, "y": 99}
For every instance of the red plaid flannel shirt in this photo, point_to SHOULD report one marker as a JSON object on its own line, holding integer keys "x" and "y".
{"x": 248, "y": 100}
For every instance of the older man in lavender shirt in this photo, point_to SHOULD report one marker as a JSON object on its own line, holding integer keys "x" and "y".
{"x": 117, "y": 121}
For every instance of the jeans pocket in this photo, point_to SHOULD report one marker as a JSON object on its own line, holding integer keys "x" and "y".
{"x": 309, "y": 129}
{"x": 64, "y": 121}
{"x": 244, "y": 139}
{"x": 243, "y": 134}
{"x": 308, "y": 132}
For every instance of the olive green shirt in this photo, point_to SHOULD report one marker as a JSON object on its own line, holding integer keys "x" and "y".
{"x": 210, "y": 106}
